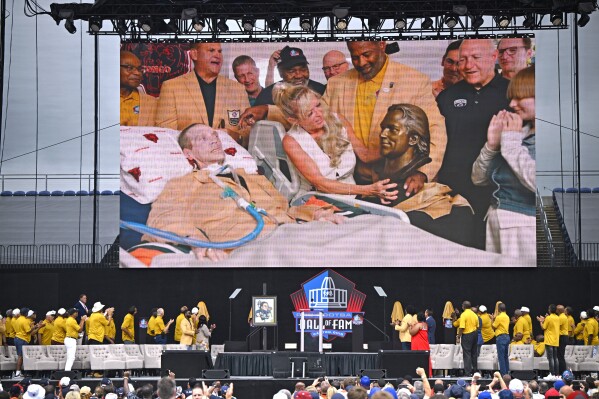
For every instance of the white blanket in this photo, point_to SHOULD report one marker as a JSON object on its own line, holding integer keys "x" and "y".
{"x": 363, "y": 241}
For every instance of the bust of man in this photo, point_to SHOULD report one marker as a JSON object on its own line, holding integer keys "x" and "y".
{"x": 405, "y": 141}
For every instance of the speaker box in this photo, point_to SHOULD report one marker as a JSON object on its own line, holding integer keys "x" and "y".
{"x": 185, "y": 364}
{"x": 400, "y": 363}
{"x": 216, "y": 374}
{"x": 236, "y": 346}
{"x": 73, "y": 375}
{"x": 524, "y": 375}
{"x": 374, "y": 374}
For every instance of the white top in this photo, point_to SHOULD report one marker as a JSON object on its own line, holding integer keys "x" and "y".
{"x": 344, "y": 172}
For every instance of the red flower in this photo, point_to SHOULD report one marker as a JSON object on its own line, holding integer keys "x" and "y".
{"x": 231, "y": 151}
{"x": 135, "y": 172}
{"x": 151, "y": 137}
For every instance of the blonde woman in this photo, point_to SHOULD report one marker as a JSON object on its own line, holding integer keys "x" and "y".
{"x": 318, "y": 146}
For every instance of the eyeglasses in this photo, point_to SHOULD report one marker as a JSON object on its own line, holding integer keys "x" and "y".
{"x": 131, "y": 68}
{"x": 509, "y": 50}
{"x": 335, "y": 67}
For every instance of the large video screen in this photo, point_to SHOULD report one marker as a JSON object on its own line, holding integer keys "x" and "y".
{"x": 328, "y": 154}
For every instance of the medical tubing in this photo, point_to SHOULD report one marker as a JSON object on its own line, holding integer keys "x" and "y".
{"x": 171, "y": 237}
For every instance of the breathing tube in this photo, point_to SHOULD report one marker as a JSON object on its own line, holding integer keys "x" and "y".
{"x": 256, "y": 213}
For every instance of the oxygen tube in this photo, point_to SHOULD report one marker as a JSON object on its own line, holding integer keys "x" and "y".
{"x": 256, "y": 213}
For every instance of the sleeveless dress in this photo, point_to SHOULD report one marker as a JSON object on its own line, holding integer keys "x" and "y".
{"x": 344, "y": 172}
{"x": 420, "y": 343}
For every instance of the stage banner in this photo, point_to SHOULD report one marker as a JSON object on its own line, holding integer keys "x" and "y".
{"x": 416, "y": 153}
{"x": 336, "y": 298}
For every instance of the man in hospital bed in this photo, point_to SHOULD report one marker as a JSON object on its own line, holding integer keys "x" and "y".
{"x": 192, "y": 205}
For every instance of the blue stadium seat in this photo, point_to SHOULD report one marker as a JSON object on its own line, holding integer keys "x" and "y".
{"x": 571, "y": 190}
{"x": 31, "y": 193}
{"x": 585, "y": 190}
{"x": 6, "y": 194}
{"x": 19, "y": 194}
{"x": 118, "y": 192}
{"x": 595, "y": 189}
{"x": 82, "y": 193}
{"x": 558, "y": 190}
{"x": 91, "y": 192}
{"x": 106, "y": 192}
{"x": 69, "y": 193}
{"x": 57, "y": 193}
{"x": 44, "y": 193}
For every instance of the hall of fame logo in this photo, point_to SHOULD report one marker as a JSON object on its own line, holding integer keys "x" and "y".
{"x": 338, "y": 300}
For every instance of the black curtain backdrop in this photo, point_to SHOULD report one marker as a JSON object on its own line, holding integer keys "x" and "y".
{"x": 172, "y": 288}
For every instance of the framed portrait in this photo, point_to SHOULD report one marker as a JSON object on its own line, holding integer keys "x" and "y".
{"x": 264, "y": 310}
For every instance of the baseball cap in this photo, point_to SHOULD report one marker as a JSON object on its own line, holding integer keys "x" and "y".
{"x": 120, "y": 391}
{"x": 44, "y": 382}
{"x": 365, "y": 381}
{"x": 65, "y": 381}
{"x": 525, "y": 309}
{"x": 456, "y": 391}
{"x": 111, "y": 395}
{"x": 583, "y": 315}
{"x": 567, "y": 376}
{"x": 105, "y": 381}
{"x": 482, "y": 308}
{"x": 85, "y": 390}
{"x": 62, "y": 311}
{"x": 516, "y": 386}
{"x": 506, "y": 394}
{"x": 290, "y": 57}
{"x": 75, "y": 387}
{"x": 303, "y": 395}
{"x": 485, "y": 395}
{"x": 25, "y": 382}
{"x": 461, "y": 382}
{"x": 558, "y": 385}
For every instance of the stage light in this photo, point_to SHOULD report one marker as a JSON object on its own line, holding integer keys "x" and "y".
{"x": 341, "y": 23}
{"x": 306, "y": 24}
{"x": 557, "y": 18}
{"x": 451, "y": 21}
{"x": 427, "y": 23}
{"x": 374, "y": 23}
{"x": 69, "y": 25}
{"x": 95, "y": 24}
{"x": 400, "y": 23}
{"x": 583, "y": 20}
{"x": 273, "y": 23}
{"x": 477, "y": 22}
{"x": 145, "y": 24}
{"x": 198, "y": 24}
{"x": 189, "y": 13}
{"x": 503, "y": 21}
{"x": 460, "y": 9}
{"x": 586, "y": 7}
{"x": 529, "y": 21}
{"x": 247, "y": 24}
{"x": 173, "y": 25}
{"x": 340, "y": 12}
{"x": 222, "y": 25}
{"x": 121, "y": 26}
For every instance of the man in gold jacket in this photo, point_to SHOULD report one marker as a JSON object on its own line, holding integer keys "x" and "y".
{"x": 203, "y": 96}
